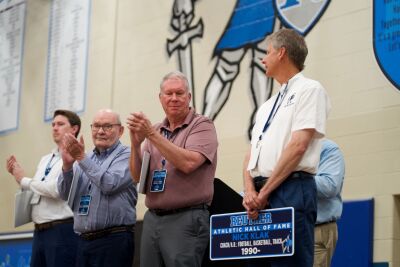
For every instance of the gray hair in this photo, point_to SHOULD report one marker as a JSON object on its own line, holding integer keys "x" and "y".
{"x": 294, "y": 43}
{"x": 175, "y": 75}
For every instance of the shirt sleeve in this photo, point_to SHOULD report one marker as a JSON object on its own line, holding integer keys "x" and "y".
{"x": 203, "y": 139}
{"x": 329, "y": 178}
{"x": 47, "y": 187}
{"x": 312, "y": 109}
{"x": 64, "y": 183}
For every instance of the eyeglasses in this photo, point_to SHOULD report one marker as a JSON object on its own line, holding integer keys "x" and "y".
{"x": 105, "y": 127}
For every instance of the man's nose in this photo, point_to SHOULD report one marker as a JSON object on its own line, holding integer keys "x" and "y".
{"x": 262, "y": 60}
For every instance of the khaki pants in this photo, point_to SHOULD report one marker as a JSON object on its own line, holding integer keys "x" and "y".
{"x": 326, "y": 236}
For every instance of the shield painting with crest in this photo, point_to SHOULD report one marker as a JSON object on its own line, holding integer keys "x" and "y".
{"x": 300, "y": 15}
{"x": 386, "y": 38}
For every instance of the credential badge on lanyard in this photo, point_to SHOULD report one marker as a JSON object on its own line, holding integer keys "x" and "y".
{"x": 159, "y": 176}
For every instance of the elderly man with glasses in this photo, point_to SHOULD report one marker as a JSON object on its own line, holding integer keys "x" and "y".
{"x": 103, "y": 195}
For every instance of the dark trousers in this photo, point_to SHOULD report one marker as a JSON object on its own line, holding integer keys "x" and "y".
{"x": 301, "y": 194}
{"x": 54, "y": 247}
{"x": 116, "y": 249}
{"x": 174, "y": 240}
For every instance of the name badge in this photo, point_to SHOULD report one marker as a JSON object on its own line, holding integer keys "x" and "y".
{"x": 84, "y": 205}
{"x": 158, "y": 181}
{"x": 35, "y": 199}
{"x": 255, "y": 153}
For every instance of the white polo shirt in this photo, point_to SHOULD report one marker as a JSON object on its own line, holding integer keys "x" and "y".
{"x": 304, "y": 106}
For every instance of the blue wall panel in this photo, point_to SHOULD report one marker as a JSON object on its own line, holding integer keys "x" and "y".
{"x": 354, "y": 247}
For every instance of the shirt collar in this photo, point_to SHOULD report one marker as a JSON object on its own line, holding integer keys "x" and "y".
{"x": 291, "y": 80}
{"x": 55, "y": 152}
{"x": 186, "y": 122}
{"x": 108, "y": 151}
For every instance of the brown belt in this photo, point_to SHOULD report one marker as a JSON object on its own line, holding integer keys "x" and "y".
{"x": 163, "y": 212}
{"x": 107, "y": 231}
{"x": 48, "y": 225}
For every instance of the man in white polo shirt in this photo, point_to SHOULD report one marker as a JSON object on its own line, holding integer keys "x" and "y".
{"x": 54, "y": 241}
{"x": 285, "y": 145}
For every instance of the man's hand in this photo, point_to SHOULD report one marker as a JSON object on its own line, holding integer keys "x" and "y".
{"x": 252, "y": 214}
{"x": 68, "y": 160}
{"x": 71, "y": 150}
{"x": 262, "y": 200}
{"x": 15, "y": 169}
{"x": 74, "y": 147}
{"x": 252, "y": 204}
{"x": 250, "y": 200}
{"x": 140, "y": 127}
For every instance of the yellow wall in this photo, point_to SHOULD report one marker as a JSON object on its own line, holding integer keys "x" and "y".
{"x": 127, "y": 58}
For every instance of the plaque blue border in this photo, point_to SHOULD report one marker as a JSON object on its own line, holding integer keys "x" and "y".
{"x": 213, "y": 256}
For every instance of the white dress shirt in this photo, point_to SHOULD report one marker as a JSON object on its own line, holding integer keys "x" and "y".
{"x": 48, "y": 206}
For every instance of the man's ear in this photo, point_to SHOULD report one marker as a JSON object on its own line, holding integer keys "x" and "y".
{"x": 75, "y": 129}
{"x": 282, "y": 52}
{"x": 121, "y": 130}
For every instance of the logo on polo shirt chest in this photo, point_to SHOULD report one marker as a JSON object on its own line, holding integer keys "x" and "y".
{"x": 290, "y": 101}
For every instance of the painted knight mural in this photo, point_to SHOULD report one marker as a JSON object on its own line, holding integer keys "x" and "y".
{"x": 250, "y": 23}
